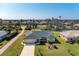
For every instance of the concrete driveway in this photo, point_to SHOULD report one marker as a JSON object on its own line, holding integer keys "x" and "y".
{"x": 28, "y": 50}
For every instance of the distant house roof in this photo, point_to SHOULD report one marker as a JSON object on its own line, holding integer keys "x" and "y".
{"x": 3, "y": 34}
{"x": 39, "y": 35}
{"x": 70, "y": 34}
{"x": 76, "y": 25}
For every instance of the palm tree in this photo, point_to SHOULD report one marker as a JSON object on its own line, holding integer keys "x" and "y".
{"x": 52, "y": 18}
{"x": 60, "y": 17}
{"x": 0, "y": 21}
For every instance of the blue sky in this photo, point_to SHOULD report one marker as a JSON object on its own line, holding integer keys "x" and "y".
{"x": 39, "y": 10}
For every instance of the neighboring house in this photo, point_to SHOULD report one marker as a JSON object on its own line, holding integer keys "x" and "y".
{"x": 5, "y": 21}
{"x": 39, "y": 37}
{"x": 67, "y": 25}
{"x": 3, "y": 34}
{"x": 15, "y": 21}
{"x": 76, "y": 25}
{"x": 70, "y": 35}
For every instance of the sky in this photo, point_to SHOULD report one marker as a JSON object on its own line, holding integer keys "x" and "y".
{"x": 39, "y": 10}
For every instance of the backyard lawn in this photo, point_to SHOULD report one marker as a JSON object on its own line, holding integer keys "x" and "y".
{"x": 64, "y": 49}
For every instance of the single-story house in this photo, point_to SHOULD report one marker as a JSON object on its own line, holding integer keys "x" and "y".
{"x": 39, "y": 37}
{"x": 3, "y": 34}
{"x": 76, "y": 25}
{"x": 70, "y": 35}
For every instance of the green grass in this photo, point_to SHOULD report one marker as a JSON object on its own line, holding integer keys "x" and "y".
{"x": 15, "y": 49}
{"x": 3, "y": 43}
{"x": 44, "y": 51}
{"x": 64, "y": 49}
{"x": 73, "y": 48}
{"x": 57, "y": 35}
{"x": 41, "y": 27}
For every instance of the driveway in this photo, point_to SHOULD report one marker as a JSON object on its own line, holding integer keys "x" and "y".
{"x": 11, "y": 41}
{"x": 28, "y": 50}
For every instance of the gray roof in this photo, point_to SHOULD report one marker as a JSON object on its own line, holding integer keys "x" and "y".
{"x": 39, "y": 35}
{"x": 3, "y": 34}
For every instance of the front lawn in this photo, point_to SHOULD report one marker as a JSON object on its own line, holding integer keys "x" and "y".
{"x": 43, "y": 50}
{"x": 64, "y": 49}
